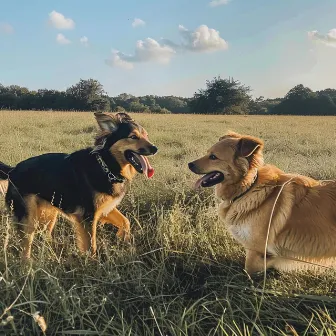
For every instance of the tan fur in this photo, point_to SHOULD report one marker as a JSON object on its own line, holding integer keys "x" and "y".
{"x": 114, "y": 217}
{"x": 3, "y": 187}
{"x": 106, "y": 204}
{"x": 111, "y": 202}
{"x": 43, "y": 216}
{"x": 303, "y": 226}
{"x": 127, "y": 170}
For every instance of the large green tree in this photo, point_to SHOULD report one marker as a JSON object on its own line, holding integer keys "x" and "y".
{"x": 88, "y": 95}
{"x": 221, "y": 96}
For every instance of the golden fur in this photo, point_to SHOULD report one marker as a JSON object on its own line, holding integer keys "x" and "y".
{"x": 302, "y": 231}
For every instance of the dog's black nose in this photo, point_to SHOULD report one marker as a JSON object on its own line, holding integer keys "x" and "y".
{"x": 153, "y": 149}
{"x": 191, "y": 165}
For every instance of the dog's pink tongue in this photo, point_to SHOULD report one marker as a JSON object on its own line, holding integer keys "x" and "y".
{"x": 150, "y": 172}
{"x": 147, "y": 169}
{"x": 198, "y": 183}
{"x": 150, "y": 169}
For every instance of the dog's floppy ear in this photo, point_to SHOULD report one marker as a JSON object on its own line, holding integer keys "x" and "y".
{"x": 107, "y": 122}
{"x": 248, "y": 145}
{"x": 230, "y": 134}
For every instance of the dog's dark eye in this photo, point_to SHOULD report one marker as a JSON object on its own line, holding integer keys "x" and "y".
{"x": 213, "y": 157}
{"x": 134, "y": 137}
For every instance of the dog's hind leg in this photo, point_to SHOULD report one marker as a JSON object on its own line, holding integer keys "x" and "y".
{"x": 24, "y": 211}
{"x": 83, "y": 238}
{"x": 29, "y": 226}
{"x": 51, "y": 224}
{"x": 48, "y": 216}
{"x": 3, "y": 187}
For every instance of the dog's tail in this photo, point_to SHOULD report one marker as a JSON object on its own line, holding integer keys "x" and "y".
{"x": 4, "y": 171}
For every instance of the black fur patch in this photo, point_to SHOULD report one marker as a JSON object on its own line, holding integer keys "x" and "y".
{"x": 67, "y": 181}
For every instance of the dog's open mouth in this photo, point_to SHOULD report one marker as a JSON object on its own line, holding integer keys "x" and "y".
{"x": 209, "y": 180}
{"x": 140, "y": 163}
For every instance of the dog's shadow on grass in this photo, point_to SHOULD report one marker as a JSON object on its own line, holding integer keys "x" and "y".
{"x": 199, "y": 278}
{"x": 195, "y": 277}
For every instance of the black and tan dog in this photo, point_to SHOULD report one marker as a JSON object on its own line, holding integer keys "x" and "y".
{"x": 84, "y": 186}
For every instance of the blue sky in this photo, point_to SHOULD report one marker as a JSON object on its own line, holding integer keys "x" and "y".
{"x": 270, "y": 45}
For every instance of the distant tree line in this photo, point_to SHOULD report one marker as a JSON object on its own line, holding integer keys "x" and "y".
{"x": 221, "y": 96}
{"x": 87, "y": 95}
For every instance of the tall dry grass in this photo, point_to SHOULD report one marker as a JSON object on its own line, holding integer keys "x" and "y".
{"x": 182, "y": 274}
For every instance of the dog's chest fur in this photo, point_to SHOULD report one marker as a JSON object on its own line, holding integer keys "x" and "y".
{"x": 242, "y": 232}
{"x": 239, "y": 229}
{"x": 105, "y": 203}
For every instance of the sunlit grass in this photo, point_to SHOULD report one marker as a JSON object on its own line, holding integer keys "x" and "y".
{"x": 183, "y": 274}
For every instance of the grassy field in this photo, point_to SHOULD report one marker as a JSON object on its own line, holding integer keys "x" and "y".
{"x": 182, "y": 274}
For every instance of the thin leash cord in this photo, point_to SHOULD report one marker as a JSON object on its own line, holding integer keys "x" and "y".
{"x": 265, "y": 253}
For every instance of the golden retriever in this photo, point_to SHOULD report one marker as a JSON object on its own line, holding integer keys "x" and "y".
{"x": 283, "y": 221}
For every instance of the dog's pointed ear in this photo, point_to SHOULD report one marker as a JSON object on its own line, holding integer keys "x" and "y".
{"x": 248, "y": 145}
{"x": 124, "y": 117}
{"x": 107, "y": 121}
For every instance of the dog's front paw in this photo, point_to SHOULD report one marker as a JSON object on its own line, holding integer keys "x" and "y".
{"x": 124, "y": 236}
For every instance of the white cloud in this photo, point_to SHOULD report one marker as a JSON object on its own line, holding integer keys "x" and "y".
{"x": 145, "y": 51}
{"x": 138, "y": 23}
{"x": 332, "y": 34}
{"x": 6, "y": 28}
{"x": 329, "y": 39}
{"x": 61, "y": 39}
{"x": 215, "y": 3}
{"x": 117, "y": 61}
{"x": 59, "y": 21}
{"x": 203, "y": 39}
{"x": 84, "y": 41}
